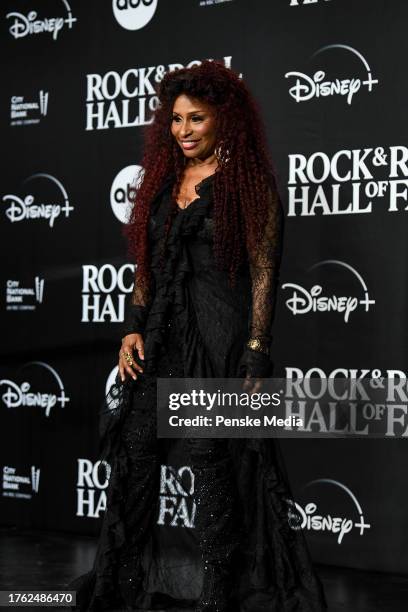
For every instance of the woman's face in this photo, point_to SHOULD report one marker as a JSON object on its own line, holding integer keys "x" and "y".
{"x": 193, "y": 127}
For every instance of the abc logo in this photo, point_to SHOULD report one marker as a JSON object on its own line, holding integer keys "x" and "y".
{"x": 134, "y": 14}
{"x": 123, "y": 186}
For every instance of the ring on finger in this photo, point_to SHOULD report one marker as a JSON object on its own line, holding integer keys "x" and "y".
{"x": 128, "y": 358}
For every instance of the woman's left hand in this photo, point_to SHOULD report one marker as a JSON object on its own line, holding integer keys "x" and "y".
{"x": 252, "y": 385}
{"x": 254, "y": 366}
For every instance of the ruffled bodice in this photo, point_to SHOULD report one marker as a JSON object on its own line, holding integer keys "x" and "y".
{"x": 191, "y": 291}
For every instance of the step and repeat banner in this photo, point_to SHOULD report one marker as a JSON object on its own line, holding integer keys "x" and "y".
{"x": 79, "y": 83}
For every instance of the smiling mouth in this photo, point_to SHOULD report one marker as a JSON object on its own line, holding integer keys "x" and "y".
{"x": 189, "y": 144}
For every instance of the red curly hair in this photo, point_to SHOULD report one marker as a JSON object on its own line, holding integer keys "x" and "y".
{"x": 242, "y": 182}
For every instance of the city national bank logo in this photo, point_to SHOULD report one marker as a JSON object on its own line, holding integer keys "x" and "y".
{"x": 93, "y": 479}
{"x": 134, "y": 14}
{"x": 21, "y": 487}
{"x": 26, "y": 24}
{"x": 318, "y": 86}
{"x": 20, "y": 208}
{"x": 17, "y": 394}
{"x": 177, "y": 507}
{"x": 25, "y": 112}
{"x": 306, "y": 300}
{"x": 104, "y": 292}
{"x": 124, "y": 187}
{"x": 338, "y": 512}
{"x": 128, "y": 99}
{"x": 17, "y": 296}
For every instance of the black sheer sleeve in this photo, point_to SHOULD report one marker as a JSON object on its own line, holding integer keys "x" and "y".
{"x": 137, "y": 309}
{"x": 140, "y": 300}
{"x": 264, "y": 264}
{"x": 264, "y": 267}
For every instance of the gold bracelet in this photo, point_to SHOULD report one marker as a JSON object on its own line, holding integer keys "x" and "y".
{"x": 256, "y": 344}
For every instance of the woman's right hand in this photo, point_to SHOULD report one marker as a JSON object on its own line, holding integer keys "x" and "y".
{"x": 127, "y": 367}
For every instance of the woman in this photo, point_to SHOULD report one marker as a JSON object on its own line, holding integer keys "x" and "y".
{"x": 205, "y": 232}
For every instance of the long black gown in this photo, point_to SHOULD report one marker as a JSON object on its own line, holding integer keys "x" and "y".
{"x": 245, "y": 536}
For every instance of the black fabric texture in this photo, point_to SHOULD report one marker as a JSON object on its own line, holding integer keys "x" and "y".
{"x": 135, "y": 319}
{"x": 247, "y": 551}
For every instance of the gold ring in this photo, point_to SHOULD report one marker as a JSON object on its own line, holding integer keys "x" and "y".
{"x": 128, "y": 357}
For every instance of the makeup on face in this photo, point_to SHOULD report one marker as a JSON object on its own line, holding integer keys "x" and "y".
{"x": 193, "y": 127}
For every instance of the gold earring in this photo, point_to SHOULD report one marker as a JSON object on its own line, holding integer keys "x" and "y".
{"x": 221, "y": 153}
{"x": 218, "y": 152}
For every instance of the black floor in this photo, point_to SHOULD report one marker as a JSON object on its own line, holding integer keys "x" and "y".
{"x": 38, "y": 560}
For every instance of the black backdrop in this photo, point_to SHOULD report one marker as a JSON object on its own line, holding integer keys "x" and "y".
{"x": 78, "y": 82}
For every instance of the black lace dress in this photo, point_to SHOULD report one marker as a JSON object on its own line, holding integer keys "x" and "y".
{"x": 246, "y": 552}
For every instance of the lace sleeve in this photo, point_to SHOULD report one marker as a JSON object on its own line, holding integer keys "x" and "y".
{"x": 137, "y": 309}
{"x": 264, "y": 267}
{"x": 264, "y": 262}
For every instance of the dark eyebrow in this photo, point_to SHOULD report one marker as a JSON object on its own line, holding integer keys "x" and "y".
{"x": 192, "y": 112}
